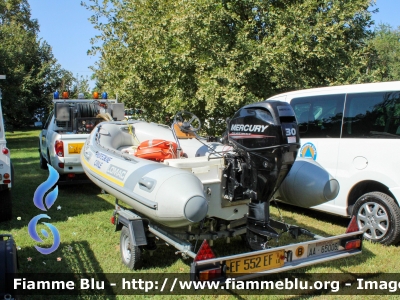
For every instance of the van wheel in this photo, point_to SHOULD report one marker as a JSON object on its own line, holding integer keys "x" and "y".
{"x": 130, "y": 254}
{"x": 378, "y": 215}
{"x": 43, "y": 162}
{"x": 5, "y": 204}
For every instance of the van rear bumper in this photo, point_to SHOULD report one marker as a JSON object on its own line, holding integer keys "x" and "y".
{"x": 71, "y": 165}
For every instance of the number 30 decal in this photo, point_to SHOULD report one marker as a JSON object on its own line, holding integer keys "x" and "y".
{"x": 290, "y": 131}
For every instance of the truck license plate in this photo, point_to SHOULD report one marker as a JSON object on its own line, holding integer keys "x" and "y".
{"x": 256, "y": 263}
{"x": 323, "y": 247}
{"x": 75, "y": 148}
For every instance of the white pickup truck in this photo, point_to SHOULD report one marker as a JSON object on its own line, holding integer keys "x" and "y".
{"x": 65, "y": 132}
{"x": 6, "y": 174}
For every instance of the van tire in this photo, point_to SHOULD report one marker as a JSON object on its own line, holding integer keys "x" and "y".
{"x": 375, "y": 207}
{"x": 130, "y": 253}
{"x": 5, "y": 205}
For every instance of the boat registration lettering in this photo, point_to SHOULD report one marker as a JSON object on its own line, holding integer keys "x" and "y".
{"x": 103, "y": 157}
{"x": 256, "y": 263}
{"x": 323, "y": 247}
{"x": 116, "y": 172}
{"x": 98, "y": 163}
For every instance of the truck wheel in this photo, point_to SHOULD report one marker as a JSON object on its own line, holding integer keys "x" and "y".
{"x": 130, "y": 254}
{"x": 378, "y": 215}
{"x": 43, "y": 162}
{"x": 5, "y": 205}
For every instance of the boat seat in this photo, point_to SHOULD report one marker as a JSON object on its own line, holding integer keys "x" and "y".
{"x": 114, "y": 137}
{"x": 183, "y": 135}
{"x": 207, "y": 170}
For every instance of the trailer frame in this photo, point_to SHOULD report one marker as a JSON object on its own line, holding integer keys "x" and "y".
{"x": 287, "y": 257}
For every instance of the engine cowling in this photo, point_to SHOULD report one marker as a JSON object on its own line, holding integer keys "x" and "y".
{"x": 266, "y": 140}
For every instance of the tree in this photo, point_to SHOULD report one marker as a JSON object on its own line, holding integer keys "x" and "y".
{"x": 33, "y": 73}
{"x": 386, "y": 43}
{"x": 213, "y": 56}
{"x": 80, "y": 85}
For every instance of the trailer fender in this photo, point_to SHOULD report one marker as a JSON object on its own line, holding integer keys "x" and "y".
{"x": 136, "y": 230}
{"x": 138, "y": 235}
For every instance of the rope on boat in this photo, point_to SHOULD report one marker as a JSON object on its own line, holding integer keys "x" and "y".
{"x": 132, "y": 133}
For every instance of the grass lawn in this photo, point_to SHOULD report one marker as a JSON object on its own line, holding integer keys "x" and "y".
{"x": 89, "y": 243}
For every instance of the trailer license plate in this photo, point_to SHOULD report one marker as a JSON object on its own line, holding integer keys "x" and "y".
{"x": 323, "y": 247}
{"x": 75, "y": 148}
{"x": 256, "y": 263}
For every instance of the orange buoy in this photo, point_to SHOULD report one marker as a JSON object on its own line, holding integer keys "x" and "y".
{"x": 162, "y": 144}
{"x": 157, "y": 150}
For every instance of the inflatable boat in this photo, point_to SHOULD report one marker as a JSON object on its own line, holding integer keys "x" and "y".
{"x": 173, "y": 177}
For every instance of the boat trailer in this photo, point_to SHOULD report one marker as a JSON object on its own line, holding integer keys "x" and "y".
{"x": 138, "y": 233}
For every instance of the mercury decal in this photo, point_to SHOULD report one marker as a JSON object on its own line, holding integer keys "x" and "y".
{"x": 249, "y": 128}
{"x": 116, "y": 172}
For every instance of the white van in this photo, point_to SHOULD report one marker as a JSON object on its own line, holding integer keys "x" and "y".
{"x": 6, "y": 174}
{"x": 353, "y": 131}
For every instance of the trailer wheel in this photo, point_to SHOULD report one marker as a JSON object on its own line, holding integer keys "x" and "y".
{"x": 130, "y": 254}
{"x": 378, "y": 216}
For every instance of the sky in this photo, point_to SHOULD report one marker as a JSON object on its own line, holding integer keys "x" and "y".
{"x": 64, "y": 25}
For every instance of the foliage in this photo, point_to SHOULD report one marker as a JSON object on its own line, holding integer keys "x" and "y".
{"x": 32, "y": 72}
{"x": 80, "y": 85}
{"x": 386, "y": 43}
{"x": 212, "y": 57}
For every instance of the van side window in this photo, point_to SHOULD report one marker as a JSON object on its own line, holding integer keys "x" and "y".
{"x": 46, "y": 125}
{"x": 375, "y": 115}
{"x": 319, "y": 116}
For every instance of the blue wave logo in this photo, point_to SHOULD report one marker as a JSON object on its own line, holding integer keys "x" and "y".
{"x": 32, "y": 232}
{"x": 43, "y": 188}
{"x": 49, "y": 200}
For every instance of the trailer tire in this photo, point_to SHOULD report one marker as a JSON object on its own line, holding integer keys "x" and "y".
{"x": 378, "y": 215}
{"x": 130, "y": 254}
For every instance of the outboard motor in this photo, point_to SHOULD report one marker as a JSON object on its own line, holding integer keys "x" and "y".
{"x": 266, "y": 140}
